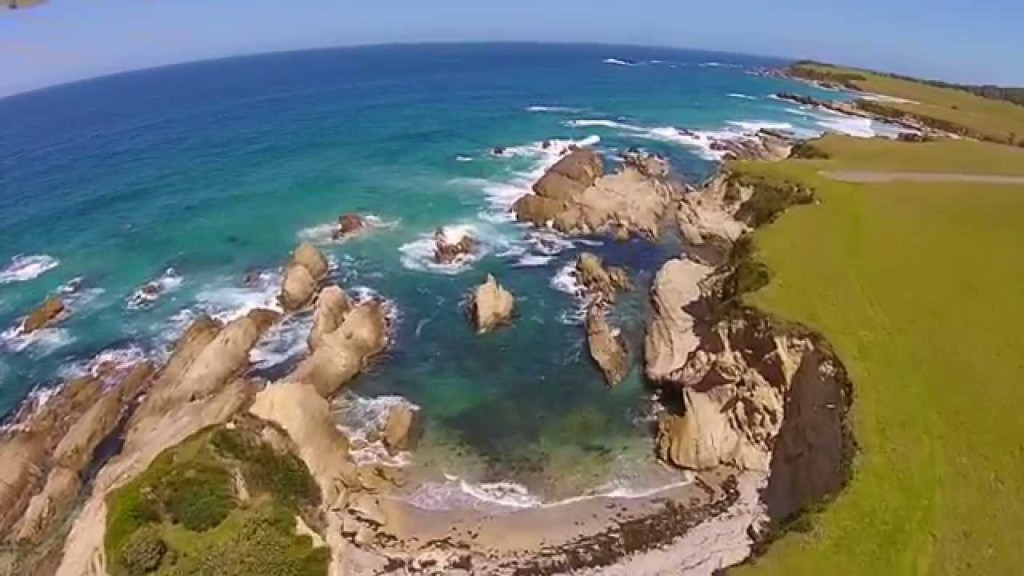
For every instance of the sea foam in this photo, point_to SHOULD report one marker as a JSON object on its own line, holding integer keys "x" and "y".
{"x": 23, "y": 268}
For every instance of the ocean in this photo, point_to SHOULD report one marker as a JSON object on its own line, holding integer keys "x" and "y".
{"x": 197, "y": 176}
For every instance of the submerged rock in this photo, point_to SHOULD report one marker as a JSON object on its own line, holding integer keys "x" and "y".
{"x": 452, "y": 245}
{"x": 491, "y": 306}
{"x": 43, "y": 316}
{"x": 606, "y": 347}
{"x": 302, "y": 276}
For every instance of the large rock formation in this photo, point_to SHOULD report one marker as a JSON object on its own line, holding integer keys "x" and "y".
{"x": 708, "y": 215}
{"x": 490, "y": 306}
{"x": 342, "y": 340}
{"x": 768, "y": 145}
{"x": 734, "y": 391}
{"x": 671, "y": 335}
{"x": 47, "y": 448}
{"x": 302, "y": 276}
{"x": 606, "y": 347}
{"x": 43, "y": 316}
{"x": 576, "y": 198}
{"x": 200, "y": 386}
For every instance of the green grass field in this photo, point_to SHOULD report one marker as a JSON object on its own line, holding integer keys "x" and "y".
{"x": 994, "y": 119}
{"x": 920, "y": 287}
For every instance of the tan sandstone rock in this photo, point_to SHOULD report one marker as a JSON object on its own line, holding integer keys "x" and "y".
{"x": 606, "y": 347}
{"x": 43, "y": 316}
{"x": 491, "y": 306}
{"x": 302, "y": 276}
{"x": 670, "y": 332}
{"x": 600, "y": 281}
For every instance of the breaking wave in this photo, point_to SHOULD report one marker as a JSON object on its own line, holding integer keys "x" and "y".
{"x": 23, "y": 268}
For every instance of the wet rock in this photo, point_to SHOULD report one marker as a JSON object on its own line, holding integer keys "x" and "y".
{"x": 348, "y": 225}
{"x": 490, "y": 306}
{"x": 302, "y": 275}
{"x": 452, "y": 245}
{"x": 43, "y": 316}
{"x": 398, "y": 427}
{"x": 606, "y": 347}
{"x": 600, "y": 281}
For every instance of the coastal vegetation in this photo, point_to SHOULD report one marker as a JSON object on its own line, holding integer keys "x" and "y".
{"x": 916, "y": 285}
{"x": 953, "y": 110}
{"x": 222, "y": 502}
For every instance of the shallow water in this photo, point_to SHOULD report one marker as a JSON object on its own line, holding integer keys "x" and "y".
{"x": 217, "y": 169}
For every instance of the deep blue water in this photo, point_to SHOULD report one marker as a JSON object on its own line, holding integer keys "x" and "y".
{"x": 219, "y": 168}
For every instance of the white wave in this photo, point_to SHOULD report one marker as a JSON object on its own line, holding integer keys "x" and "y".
{"x": 363, "y": 420}
{"x": 753, "y": 126}
{"x": 23, "y": 268}
{"x": 226, "y": 301}
{"x": 533, "y": 260}
{"x": 284, "y": 342}
{"x": 567, "y": 281}
{"x": 456, "y": 494}
{"x": 741, "y": 96}
{"x": 849, "y": 125}
{"x": 419, "y": 254}
{"x": 153, "y": 290}
{"x": 554, "y": 109}
{"x": 461, "y": 158}
{"x": 39, "y": 343}
{"x": 618, "y": 62}
{"x": 588, "y": 123}
{"x": 111, "y": 362}
{"x": 547, "y": 242}
{"x": 713, "y": 64}
{"x": 363, "y": 294}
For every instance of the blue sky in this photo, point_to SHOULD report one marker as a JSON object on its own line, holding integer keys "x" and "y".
{"x": 949, "y": 39}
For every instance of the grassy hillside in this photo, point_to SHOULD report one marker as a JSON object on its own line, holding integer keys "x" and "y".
{"x": 995, "y": 120}
{"x": 919, "y": 288}
{"x": 222, "y": 502}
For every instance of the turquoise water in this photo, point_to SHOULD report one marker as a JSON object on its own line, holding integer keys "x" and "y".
{"x": 218, "y": 169}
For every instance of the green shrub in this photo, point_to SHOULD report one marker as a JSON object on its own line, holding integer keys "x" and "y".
{"x": 769, "y": 199}
{"x": 808, "y": 151}
{"x": 128, "y": 509}
{"x": 282, "y": 475}
{"x": 142, "y": 552}
{"x": 198, "y": 497}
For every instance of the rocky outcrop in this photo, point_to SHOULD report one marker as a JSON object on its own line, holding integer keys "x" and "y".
{"x": 768, "y": 145}
{"x": 708, "y": 216}
{"x": 348, "y": 225}
{"x": 671, "y": 335}
{"x": 43, "y": 316}
{"x": 575, "y": 197}
{"x": 606, "y": 347}
{"x": 302, "y": 276}
{"x": 452, "y": 245}
{"x": 343, "y": 339}
{"x": 201, "y": 385}
{"x": 48, "y": 447}
{"x": 600, "y": 281}
{"x": 490, "y": 306}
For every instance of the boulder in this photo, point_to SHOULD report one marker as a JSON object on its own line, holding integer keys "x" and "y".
{"x": 398, "y": 426}
{"x": 602, "y": 282}
{"x": 537, "y": 210}
{"x": 331, "y": 306}
{"x": 341, "y": 354}
{"x": 606, "y": 347}
{"x": 452, "y": 245}
{"x": 348, "y": 225}
{"x": 491, "y": 306}
{"x": 43, "y": 316}
{"x": 302, "y": 276}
